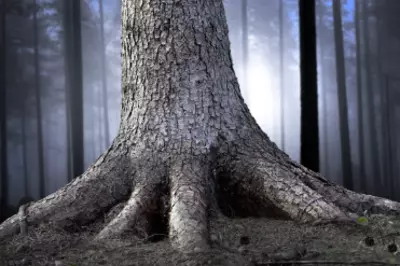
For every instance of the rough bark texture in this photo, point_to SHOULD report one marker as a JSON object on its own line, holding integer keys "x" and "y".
{"x": 187, "y": 141}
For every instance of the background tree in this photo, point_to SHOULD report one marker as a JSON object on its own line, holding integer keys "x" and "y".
{"x": 75, "y": 94}
{"x": 370, "y": 98}
{"x": 360, "y": 109}
{"x": 3, "y": 114}
{"x": 309, "y": 151}
{"x": 342, "y": 96}
{"x": 245, "y": 49}
{"x": 42, "y": 188}
{"x": 282, "y": 71}
{"x": 104, "y": 78}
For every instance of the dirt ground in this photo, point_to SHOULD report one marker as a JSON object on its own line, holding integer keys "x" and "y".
{"x": 244, "y": 241}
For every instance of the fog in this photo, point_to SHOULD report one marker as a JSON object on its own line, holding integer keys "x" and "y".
{"x": 40, "y": 78}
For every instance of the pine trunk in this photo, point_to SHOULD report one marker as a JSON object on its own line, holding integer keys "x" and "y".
{"x": 3, "y": 116}
{"x": 360, "y": 110}
{"x": 342, "y": 96}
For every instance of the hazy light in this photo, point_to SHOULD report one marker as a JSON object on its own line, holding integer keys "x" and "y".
{"x": 261, "y": 98}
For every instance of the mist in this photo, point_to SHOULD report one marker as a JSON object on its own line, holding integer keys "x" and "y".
{"x": 61, "y": 90}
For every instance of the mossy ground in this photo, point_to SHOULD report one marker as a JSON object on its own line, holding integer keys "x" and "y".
{"x": 265, "y": 240}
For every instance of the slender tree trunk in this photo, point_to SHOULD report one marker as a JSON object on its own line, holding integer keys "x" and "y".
{"x": 323, "y": 90}
{"x": 281, "y": 71}
{"x": 245, "y": 49}
{"x": 360, "y": 109}
{"x": 188, "y": 147}
{"x": 42, "y": 184}
{"x": 342, "y": 96}
{"x": 74, "y": 80}
{"x": 309, "y": 150}
{"x": 385, "y": 112}
{"x": 100, "y": 120}
{"x": 388, "y": 122}
{"x": 3, "y": 115}
{"x": 371, "y": 104}
{"x": 24, "y": 148}
{"x": 104, "y": 78}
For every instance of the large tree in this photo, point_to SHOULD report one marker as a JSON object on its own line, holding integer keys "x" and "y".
{"x": 187, "y": 146}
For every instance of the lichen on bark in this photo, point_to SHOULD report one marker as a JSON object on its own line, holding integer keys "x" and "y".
{"x": 187, "y": 144}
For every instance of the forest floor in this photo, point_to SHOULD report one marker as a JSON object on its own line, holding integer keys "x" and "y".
{"x": 239, "y": 241}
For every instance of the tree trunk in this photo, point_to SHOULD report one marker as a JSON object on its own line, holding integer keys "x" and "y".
{"x": 23, "y": 144}
{"x": 3, "y": 115}
{"x": 39, "y": 119}
{"x": 309, "y": 142}
{"x": 74, "y": 75}
{"x": 281, "y": 71}
{"x": 104, "y": 78}
{"x": 245, "y": 49}
{"x": 342, "y": 96}
{"x": 360, "y": 109}
{"x": 388, "y": 110}
{"x": 187, "y": 145}
{"x": 385, "y": 112}
{"x": 371, "y": 104}
{"x": 323, "y": 90}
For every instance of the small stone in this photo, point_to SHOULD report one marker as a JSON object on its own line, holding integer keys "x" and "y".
{"x": 58, "y": 263}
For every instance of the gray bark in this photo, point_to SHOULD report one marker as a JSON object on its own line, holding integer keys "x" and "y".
{"x": 187, "y": 145}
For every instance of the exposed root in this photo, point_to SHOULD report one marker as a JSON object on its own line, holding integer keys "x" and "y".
{"x": 281, "y": 190}
{"x": 82, "y": 200}
{"x": 190, "y": 199}
{"x": 23, "y": 225}
{"x": 250, "y": 185}
{"x": 347, "y": 200}
{"x": 137, "y": 213}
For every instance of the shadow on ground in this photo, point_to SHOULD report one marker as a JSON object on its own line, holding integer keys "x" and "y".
{"x": 245, "y": 241}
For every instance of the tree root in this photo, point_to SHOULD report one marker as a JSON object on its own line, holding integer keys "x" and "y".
{"x": 190, "y": 196}
{"x": 280, "y": 191}
{"x": 137, "y": 212}
{"x": 347, "y": 200}
{"x": 23, "y": 225}
{"x": 253, "y": 185}
{"x": 81, "y": 200}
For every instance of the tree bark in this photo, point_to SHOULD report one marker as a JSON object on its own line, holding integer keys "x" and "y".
{"x": 188, "y": 146}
